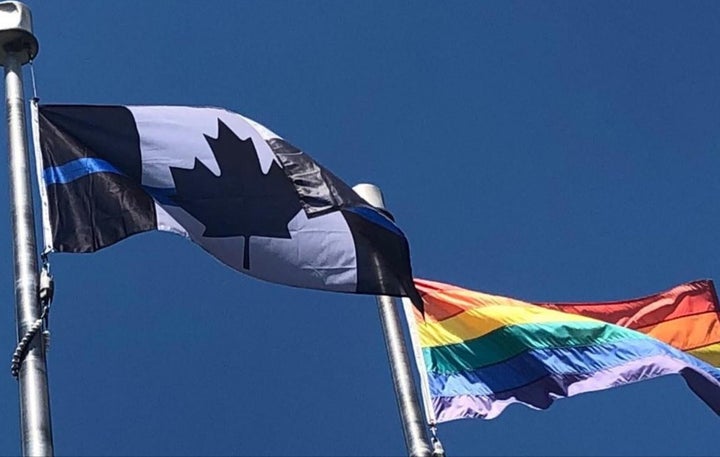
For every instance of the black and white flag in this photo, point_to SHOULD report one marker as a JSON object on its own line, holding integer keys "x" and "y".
{"x": 244, "y": 194}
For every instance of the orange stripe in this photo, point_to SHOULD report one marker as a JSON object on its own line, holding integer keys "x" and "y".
{"x": 689, "y": 332}
{"x": 443, "y": 301}
{"x": 437, "y": 309}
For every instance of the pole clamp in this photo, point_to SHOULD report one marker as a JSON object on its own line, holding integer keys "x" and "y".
{"x": 46, "y": 288}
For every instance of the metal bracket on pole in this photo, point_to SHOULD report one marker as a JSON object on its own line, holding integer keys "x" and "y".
{"x": 18, "y": 46}
{"x": 414, "y": 429}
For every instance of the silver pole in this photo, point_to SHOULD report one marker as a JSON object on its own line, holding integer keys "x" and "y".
{"x": 18, "y": 45}
{"x": 414, "y": 429}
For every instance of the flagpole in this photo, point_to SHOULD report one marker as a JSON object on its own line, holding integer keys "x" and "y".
{"x": 18, "y": 46}
{"x": 414, "y": 429}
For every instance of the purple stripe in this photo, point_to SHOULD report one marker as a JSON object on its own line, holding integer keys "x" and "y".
{"x": 541, "y": 393}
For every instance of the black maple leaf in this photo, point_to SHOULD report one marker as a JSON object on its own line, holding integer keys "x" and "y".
{"x": 242, "y": 201}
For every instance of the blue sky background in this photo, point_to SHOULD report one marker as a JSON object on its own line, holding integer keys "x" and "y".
{"x": 544, "y": 150}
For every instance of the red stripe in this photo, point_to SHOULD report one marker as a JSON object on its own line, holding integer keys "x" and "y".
{"x": 674, "y": 309}
{"x": 684, "y": 300}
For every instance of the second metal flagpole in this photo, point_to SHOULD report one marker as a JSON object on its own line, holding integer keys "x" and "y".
{"x": 414, "y": 429}
{"x": 17, "y": 46}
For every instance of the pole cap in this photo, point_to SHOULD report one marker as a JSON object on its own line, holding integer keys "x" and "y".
{"x": 371, "y": 194}
{"x": 16, "y": 35}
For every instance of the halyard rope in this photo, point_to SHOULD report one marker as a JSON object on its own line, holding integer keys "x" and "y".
{"x": 22, "y": 347}
{"x": 45, "y": 295}
{"x": 32, "y": 78}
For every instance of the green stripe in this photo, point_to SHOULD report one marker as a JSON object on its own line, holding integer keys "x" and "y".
{"x": 509, "y": 341}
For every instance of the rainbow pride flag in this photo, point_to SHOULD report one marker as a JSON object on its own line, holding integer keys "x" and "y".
{"x": 482, "y": 353}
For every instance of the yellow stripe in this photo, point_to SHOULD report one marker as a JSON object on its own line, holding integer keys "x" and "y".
{"x": 710, "y": 354}
{"x": 480, "y": 321}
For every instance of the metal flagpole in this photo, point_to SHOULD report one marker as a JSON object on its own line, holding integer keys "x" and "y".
{"x": 18, "y": 46}
{"x": 416, "y": 438}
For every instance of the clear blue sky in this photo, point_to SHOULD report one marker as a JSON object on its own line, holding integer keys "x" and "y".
{"x": 544, "y": 150}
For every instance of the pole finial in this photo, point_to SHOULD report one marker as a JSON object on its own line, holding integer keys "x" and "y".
{"x": 16, "y": 33}
{"x": 371, "y": 193}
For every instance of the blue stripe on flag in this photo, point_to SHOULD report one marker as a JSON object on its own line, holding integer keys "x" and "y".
{"x": 374, "y": 216}
{"x": 76, "y": 169}
{"x": 86, "y": 166}
{"x": 162, "y": 195}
